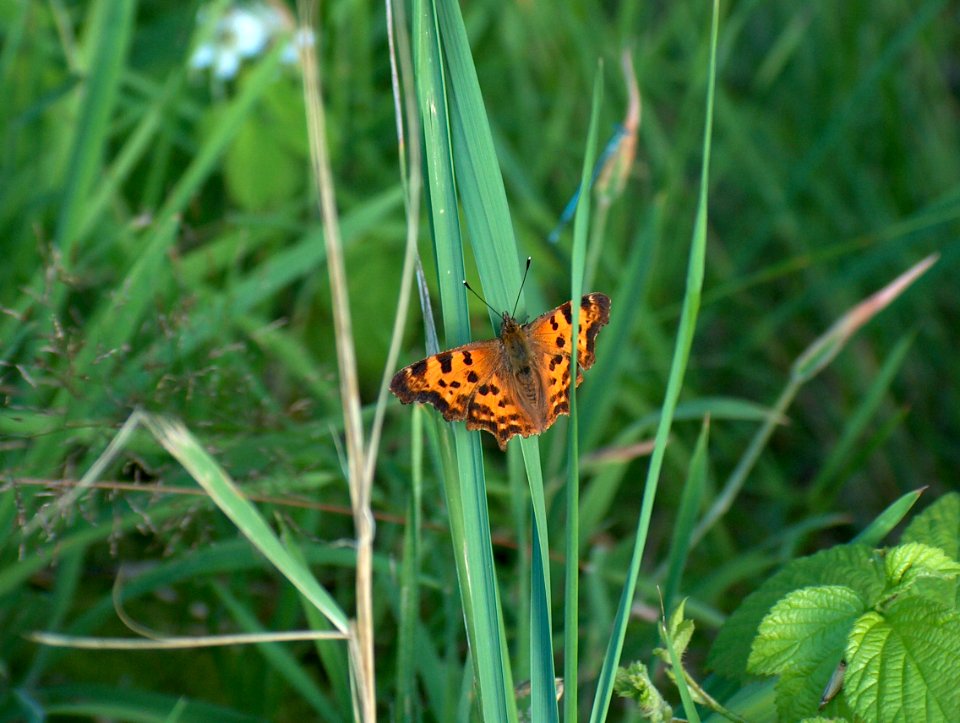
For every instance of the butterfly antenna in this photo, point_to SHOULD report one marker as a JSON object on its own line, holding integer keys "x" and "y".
{"x": 471, "y": 290}
{"x": 515, "y": 303}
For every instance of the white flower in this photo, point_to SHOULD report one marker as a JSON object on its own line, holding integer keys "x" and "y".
{"x": 244, "y": 31}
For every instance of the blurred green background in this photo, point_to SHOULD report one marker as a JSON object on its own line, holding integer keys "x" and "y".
{"x": 161, "y": 248}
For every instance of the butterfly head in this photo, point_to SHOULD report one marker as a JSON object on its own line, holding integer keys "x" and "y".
{"x": 508, "y": 324}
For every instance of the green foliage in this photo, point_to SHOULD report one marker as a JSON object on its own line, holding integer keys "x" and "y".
{"x": 867, "y": 608}
{"x": 265, "y": 165}
{"x": 634, "y": 682}
{"x": 902, "y": 662}
{"x": 799, "y": 640}
{"x": 855, "y": 567}
{"x": 161, "y": 252}
{"x": 938, "y": 526}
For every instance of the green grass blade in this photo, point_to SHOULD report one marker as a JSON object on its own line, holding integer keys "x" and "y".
{"x": 466, "y": 485}
{"x": 543, "y": 699}
{"x": 478, "y": 177}
{"x": 111, "y": 28}
{"x": 886, "y": 521}
{"x": 684, "y": 342}
{"x": 480, "y": 186}
{"x": 571, "y": 596}
{"x": 185, "y": 448}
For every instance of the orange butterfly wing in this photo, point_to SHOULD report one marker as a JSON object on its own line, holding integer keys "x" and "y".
{"x": 473, "y": 382}
{"x": 550, "y": 335}
{"x": 448, "y": 380}
{"x": 466, "y": 384}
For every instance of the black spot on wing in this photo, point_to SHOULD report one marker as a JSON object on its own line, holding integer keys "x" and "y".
{"x": 446, "y": 362}
{"x": 418, "y": 369}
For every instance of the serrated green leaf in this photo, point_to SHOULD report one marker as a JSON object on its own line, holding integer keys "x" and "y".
{"x": 805, "y": 627}
{"x": 906, "y": 564}
{"x": 679, "y": 630}
{"x": 938, "y": 526}
{"x": 853, "y": 566}
{"x": 902, "y": 665}
{"x": 802, "y": 639}
{"x": 676, "y": 619}
{"x": 681, "y": 636}
{"x": 799, "y": 690}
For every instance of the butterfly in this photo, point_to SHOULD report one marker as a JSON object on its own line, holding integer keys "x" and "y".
{"x": 518, "y": 383}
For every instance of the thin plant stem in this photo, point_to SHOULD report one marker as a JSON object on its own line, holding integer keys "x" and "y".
{"x": 361, "y": 643}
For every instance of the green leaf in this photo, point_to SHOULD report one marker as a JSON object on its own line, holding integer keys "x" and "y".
{"x": 902, "y": 665}
{"x": 805, "y": 627}
{"x": 853, "y": 566}
{"x": 798, "y": 691}
{"x": 264, "y": 167}
{"x": 802, "y": 639}
{"x": 938, "y": 526}
{"x": 680, "y": 630}
{"x": 906, "y": 564}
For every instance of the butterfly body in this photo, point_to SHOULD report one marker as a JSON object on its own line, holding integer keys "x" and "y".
{"x": 519, "y": 357}
{"x": 516, "y": 384}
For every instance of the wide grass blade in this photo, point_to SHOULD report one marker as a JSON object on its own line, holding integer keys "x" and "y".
{"x": 437, "y": 49}
{"x": 480, "y": 187}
